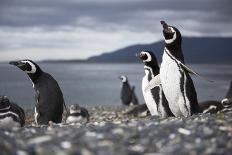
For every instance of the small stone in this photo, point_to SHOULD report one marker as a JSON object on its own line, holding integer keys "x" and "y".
{"x": 184, "y": 131}
{"x": 21, "y": 152}
{"x": 39, "y": 140}
{"x": 137, "y": 148}
{"x": 66, "y": 145}
{"x": 118, "y": 131}
{"x": 172, "y": 136}
{"x": 207, "y": 131}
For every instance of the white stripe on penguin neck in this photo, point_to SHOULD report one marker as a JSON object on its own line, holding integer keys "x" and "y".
{"x": 9, "y": 112}
{"x": 33, "y": 68}
{"x": 148, "y": 56}
{"x": 169, "y": 41}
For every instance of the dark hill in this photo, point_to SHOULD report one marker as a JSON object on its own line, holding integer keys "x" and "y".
{"x": 196, "y": 50}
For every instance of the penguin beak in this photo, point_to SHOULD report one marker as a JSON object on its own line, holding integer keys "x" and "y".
{"x": 16, "y": 63}
{"x": 120, "y": 77}
{"x": 165, "y": 27}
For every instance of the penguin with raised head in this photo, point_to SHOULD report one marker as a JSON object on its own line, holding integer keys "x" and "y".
{"x": 11, "y": 115}
{"x": 177, "y": 84}
{"x": 77, "y": 114}
{"x": 127, "y": 93}
{"x": 49, "y": 97}
{"x": 154, "y": 98}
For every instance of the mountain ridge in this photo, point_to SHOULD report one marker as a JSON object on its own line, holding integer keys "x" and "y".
{"x": 193, "y": 47}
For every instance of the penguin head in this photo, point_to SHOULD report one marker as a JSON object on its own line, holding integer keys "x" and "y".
{"x": 123, "y": 78}
{"x": 148, "y": 58}
{"x": 75, "y": 108}
{"x": 227, "y": 102}
{"x": 4, "y": 102}
{"x": 171, "y": 34}
{"x": 27, "y": 66}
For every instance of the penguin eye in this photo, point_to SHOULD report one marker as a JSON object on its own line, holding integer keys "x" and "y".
{"x": 145, "y": 56}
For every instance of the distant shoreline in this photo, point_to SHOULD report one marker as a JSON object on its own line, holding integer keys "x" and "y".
{"x": 87, "y": 62}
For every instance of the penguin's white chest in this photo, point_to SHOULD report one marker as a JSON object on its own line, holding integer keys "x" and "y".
{"x": 170, "y": 76}
{"x": 148, "y": 97}
{"x": 76, "y": 119}
{"x": 8, "y": 123}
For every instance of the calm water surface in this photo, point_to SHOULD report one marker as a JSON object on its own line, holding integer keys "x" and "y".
{"x": 98, "y": 84}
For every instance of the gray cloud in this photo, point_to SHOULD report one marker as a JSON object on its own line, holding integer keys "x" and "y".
{"x": 72, "y": 24}
{"x": 59, "y": 12}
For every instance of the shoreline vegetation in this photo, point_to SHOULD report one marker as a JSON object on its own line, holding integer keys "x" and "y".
{"x": 111, "y": 132}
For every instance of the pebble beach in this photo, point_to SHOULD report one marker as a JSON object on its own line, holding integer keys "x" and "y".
{"x": 112, "y": 132}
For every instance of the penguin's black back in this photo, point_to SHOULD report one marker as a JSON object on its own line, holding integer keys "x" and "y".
{"x": 191, "y": 93}
{"x": 126, "y": 93}
{"x": 50, "y": 99}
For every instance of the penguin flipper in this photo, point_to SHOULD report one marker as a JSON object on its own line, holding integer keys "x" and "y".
{"x": 195, "y": 73}
{"x": 153, "y": 83}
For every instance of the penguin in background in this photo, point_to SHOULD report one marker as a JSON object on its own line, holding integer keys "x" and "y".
{"x": 154, "y": 98}
{"x": 174, "y": 76}
{"x": 127, "y": 94}
{"x": 217, "y": 106}
{"x": 77, "y": 114}
{"x": 48, "y": 95}
{"x": 11, "y": 115}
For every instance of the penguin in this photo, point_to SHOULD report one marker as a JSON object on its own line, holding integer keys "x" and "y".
{"x": 127, "y": 93}
{"x": 48, "y": 95}
{"x": 11, "y": 115}
{"x": 227, "y": 101}
{"x": 177, "y": 84}
{"x": 77, "y": 114}
{"x": 154, "y": 98}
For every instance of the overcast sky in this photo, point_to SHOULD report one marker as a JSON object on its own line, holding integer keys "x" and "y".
{"x": 77, "y": 29}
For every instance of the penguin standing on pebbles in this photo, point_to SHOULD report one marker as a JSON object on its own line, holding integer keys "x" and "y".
{"x": 154, "y": 98}
{"x": 49, "y": 97}
{"x": 174, "y": 76}
{"x": 11, "y": 115}
{"x": 177, "y": 84}
{"x": 77, "y": 114}
{"x": 127, "y": 93}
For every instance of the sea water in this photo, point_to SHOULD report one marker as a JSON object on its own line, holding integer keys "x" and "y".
{"x": 98, "y": 84}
